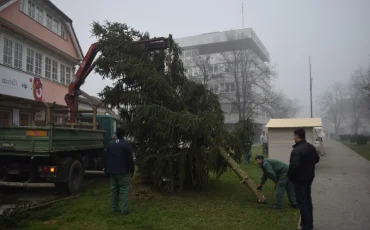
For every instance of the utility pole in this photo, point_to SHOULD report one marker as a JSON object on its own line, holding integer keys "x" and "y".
{"x": 309, "y": 61}
{"x": 243, "y": 15}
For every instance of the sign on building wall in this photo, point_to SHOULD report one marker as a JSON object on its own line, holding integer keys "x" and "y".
{"x": 18, "y": 84}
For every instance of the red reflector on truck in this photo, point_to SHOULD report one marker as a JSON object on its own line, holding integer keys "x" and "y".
{"x": 36, "y": 133}
{"x": 47, "y": 169}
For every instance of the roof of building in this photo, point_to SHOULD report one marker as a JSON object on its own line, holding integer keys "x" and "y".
{"x": 69, "y": 20}
{"x": 5, "y": 3}
{"x": 294, "y": 123}
{"x": 87, "y": 99}
{"x": 224, "y": 36}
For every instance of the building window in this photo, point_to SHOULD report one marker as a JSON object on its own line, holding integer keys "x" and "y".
{"x": 55, "y": 26}
{"x": 49, "y": 21}
{"x": 24, "y": 119}
{"x": 30, "y": 60}
{"x": 8, "y": 51}
{"x": 232, "y": 87}
{"x": 222, "y": 87}
{"x": 194, "y": 52}
{"x": 22, "y": 6}
{"x": 68, "y": 75}
{"x": 191, "y": 53}
{"x": 38, "y": 64}
{"x": 55, "y": 70}
{"x": 214, "y": 88}
{"x": 31, "y": 9}
{"x": 47, "y": 67}
{"x": 187, "y": 53}
{"x": 40, "y": 15}
{"x": 234, "y": 108}
{"x": 227, "y": 69}
{"x": 62, "y": 32}
{"x": 5, "y": 118}
{"x": 18, "y": 55}
{"x": 227, "y": 87}
{"x": 62, "y": 73}
{"x": 213, "y": 68}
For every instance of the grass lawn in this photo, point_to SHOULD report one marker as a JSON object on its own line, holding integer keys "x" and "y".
{"x": 363, "y": 150}
{"x": 224, "y": 204}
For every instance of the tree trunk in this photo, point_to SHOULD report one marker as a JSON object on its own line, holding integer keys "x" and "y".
{"x": 243, "y": 176}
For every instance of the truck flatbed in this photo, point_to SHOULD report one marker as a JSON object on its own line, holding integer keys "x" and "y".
{"x": 48, "y": 140}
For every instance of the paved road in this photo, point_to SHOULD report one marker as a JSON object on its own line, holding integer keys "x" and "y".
{"x": 341, "y": 190}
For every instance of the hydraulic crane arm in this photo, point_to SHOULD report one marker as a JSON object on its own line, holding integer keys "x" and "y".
{"x": 88, "y": 65}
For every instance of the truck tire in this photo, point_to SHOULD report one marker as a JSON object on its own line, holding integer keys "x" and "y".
{"x": 74, "y": 182}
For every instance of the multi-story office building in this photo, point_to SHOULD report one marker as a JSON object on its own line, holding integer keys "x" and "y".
{"x": 205, "y": 58}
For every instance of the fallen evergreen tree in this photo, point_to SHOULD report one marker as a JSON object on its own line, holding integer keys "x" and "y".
{"x": 178, "y": 124}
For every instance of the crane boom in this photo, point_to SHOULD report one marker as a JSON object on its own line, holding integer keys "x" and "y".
{"x": 88, "y": 65}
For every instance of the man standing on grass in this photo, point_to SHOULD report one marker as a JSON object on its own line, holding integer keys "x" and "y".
{"x": 264, "y": 143}
{"x": 303, "y": 159}
{"x": 277, "y": 171}
{"x": 249, "y": 152}
{"x": 120, "y": 166}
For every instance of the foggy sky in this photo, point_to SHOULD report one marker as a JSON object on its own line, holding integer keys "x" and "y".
{"x": 335, "y": 33}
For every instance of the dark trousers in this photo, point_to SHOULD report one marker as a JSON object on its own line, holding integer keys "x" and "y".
{"x": 120, "y": 185}
{"x": 265, "y": 148}
{"x": 304, "y": 201}
{"x": 248, "y": 157}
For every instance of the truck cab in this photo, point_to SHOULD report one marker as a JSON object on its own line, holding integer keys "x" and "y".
{"x": 105, "y": 122}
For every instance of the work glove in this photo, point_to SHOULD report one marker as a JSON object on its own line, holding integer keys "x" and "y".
{"x": 275, "y": 184}
{"x": 259, "y": 187}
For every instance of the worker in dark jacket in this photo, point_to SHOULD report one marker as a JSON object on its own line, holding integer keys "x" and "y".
{"x": 120, "y": 166}
{"x": 301, "y": 172}
{"x": 277, "y": 172}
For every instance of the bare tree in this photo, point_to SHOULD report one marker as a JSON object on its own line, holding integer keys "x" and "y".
{"x": 358, "y": 96}
{"x": 251, "y": 76}
{"x": 283, "y": 107}
{"x": 198, "y": 67}
{"x": 332, "y": 104}
{"x": 355, "y": 88}
{"x": 202, "y": 64}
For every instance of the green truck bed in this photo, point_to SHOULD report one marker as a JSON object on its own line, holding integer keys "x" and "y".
{"x": 44, "y": 140}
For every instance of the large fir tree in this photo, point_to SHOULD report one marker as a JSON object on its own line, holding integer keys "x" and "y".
{"x": 178, "y": 124}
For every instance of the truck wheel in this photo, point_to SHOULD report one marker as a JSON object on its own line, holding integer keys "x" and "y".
{"x": 74, "y": 182}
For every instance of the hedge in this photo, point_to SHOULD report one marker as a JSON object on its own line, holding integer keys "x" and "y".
{"x": 345, "y": 137}
{"x": 359, "y": 139}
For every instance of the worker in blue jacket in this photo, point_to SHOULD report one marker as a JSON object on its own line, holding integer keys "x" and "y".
{"x": 120, "y": 166}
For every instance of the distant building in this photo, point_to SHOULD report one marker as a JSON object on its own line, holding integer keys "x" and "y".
{"x": 213, "y": 45}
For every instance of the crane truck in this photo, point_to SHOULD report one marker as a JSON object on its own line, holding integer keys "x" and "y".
{"x": 57, "y": 155}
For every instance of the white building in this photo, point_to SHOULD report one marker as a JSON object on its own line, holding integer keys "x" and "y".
{"x": 280, "y": 140}
{"x": 210, "y": 49}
